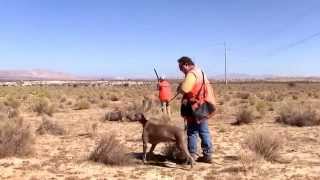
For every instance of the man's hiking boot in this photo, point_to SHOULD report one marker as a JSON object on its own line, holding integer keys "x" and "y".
{"x": 205, "y": 159}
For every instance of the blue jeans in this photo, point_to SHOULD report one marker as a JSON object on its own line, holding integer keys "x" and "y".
{"x": 202, "y": 128}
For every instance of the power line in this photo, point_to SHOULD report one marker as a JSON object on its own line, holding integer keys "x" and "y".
{"x": 294, "y": 44}
{"x": 285, "y": 26}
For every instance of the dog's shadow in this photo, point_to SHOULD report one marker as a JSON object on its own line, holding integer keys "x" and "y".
{"x": 150, "y": 157}
{"x": 156, "y": 160}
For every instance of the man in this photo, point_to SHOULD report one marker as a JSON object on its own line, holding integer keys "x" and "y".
{"x": 164, "y": 88}
{"x": 196, "y": 90}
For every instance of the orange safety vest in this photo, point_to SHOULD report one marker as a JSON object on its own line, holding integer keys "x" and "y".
{"x": 164, "y": 90}
{"x": 200, "y": 95}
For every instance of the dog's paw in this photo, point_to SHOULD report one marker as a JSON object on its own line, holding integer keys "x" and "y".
{"x": 144, "y": 161}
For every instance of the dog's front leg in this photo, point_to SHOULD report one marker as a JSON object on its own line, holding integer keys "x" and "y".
{"x": 152, "y": 149}
{"x": 145, "y": 147}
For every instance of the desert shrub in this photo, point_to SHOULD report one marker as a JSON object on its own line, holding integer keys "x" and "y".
{"x": 271, "y": 97}
{"x": 42, "y": 93}
{"x": 142, "y": 106}
{"x": 261, "y": 107}
{"x": 298, "y": 116}
{"x": 243, "y": 101}
{"x": 226, "y": 98}
{"x": 295, "y": 97}
{"x": 103, "y": 105}
{"x": 280, "y": 96}
{"x": 93, "y": 100}
{"x": 234, "y": 103}
{"x": 252, "y": 100}
{"x": 12, "y": 102}
{"x": 63, "y": 99}
{"x": 69, "y": 102}
{"x": 146, "y": 104}
{"x": 43, "y": 106}
{"x": 9, "y": 112}
{"x": 264, "y": 143}
{"x": 101, "y": 96}
{"x": 134, "y": 107}
{"x": 173, "y": 153}
{"x": 49, "y": 126}
{"x": 13, "y": 113}
{"x": 109, "y": 151}
{"x": 244, "y": 116}
{"x": 15, "y": 138}
{"x": 82, "y": 104}
{"x": 114, "y": 98}
{"x": 243, "y": 95}
{"x": 292, "y": 84}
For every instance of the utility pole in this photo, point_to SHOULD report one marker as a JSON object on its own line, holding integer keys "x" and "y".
{"x": 225, "y": 64}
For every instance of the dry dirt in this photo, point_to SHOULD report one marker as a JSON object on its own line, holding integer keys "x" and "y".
{"x": 65, "y": 156}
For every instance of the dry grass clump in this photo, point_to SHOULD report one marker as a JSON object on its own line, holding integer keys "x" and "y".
{"x": 82, "y": 104}
{"x": 298, "y": 116}
{"x": 109, "y": 151}
{"x": 248, "y": 160}
{"x": 173, "y": 153}
{"x": 264, "y": 143}
{"x": 50, "y": 126}
{"x": 244, "y": 116}
{"x": 15, "y": 138}
{"x": 43, "y": 106}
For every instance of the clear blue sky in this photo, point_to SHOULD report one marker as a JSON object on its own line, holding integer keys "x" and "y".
{"x": 130, "y": 37}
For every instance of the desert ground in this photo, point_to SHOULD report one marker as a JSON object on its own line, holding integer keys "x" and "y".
{"x": 260, "y": 131}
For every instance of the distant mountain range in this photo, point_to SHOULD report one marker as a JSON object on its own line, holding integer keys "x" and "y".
{"x": 35, "y": 74}
{"x": 240, "y": 76}
{"x": 41, "y": 74}
{"x": 268, "y": 77}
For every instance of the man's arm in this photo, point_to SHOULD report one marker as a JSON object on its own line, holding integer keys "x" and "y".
{"x": 188, "y": 83}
